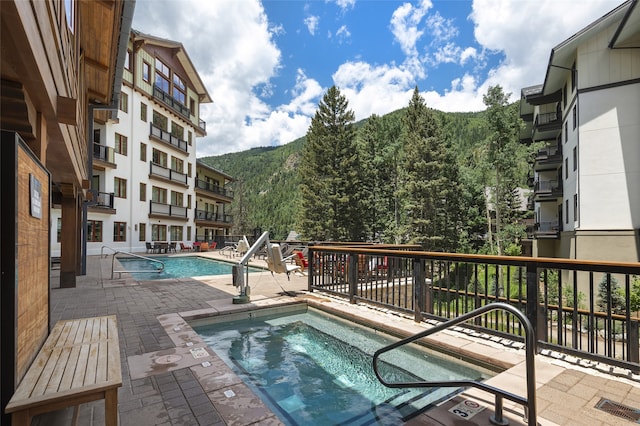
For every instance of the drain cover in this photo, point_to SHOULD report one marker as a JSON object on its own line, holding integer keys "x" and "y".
{"x": 168, "y": 359}
{"x": 618, "y": 410}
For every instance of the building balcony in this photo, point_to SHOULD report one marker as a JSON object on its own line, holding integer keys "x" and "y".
{"x": 205, "y": 218}
{"x": 171, "y": 102}
{"x": 547, "y": 126}
{"x": 158, "y": 171}
{"x": 547, "y": 190}
{"x": 167, "y": 210}
{"x": 548, "y": 158}
{"x": 104, "y": 156}
{"x": 161, "y": 135}
{"x": 202, "y": 125}
{"x": 547, "y": 229}
{"x": 215, "y": 190}
{"x": 101, "y": 202}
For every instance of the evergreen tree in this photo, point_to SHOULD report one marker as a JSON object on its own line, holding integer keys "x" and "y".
{"x": 329, "y": 172}
{"x": 502, "y": 156}
{"x": 431, "y": 189}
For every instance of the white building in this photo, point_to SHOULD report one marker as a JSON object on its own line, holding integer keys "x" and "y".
{"x": 144, "y": 155}
{"x": 586, "y": 178}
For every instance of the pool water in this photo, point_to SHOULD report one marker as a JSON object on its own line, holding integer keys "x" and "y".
{"x": 312, "y": 369}
{"x": 177, "y": 267}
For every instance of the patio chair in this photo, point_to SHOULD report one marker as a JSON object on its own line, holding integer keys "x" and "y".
{"x": 172, "y": 247}
{"x": 185, "y": 248}
{"x": 300, "y": 260}
{"x": 277, "y": 264}
{"x": 149, "y": 247}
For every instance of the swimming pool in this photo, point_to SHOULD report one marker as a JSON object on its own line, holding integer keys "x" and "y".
{"x": 314, "y": 369}
{"x": 177, "y": 267}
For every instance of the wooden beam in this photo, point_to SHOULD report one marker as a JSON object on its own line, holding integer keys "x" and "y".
{"x": 66, "y": 110}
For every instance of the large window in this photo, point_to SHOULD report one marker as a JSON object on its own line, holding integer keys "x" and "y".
{"x": 121, "y": 144}
{"x": 162, "y": 76}
{"x": 160, "y": 120}
{"x": 159, "y": 232}
{"x": 179, "y": 90}
{"x": 177, "y": 198}
{"x": 142, "y": 232}
{"x": 177, "y": 164}
{"x": 177, "y": 130}
{"x": 94, "y": 230}
{"x": 176, "y": 233}
{"x": 120, "y": 187}
{"x": 159, "y": 157}
{"x": 159, "y": 195}
{"x": 119, "y": 231}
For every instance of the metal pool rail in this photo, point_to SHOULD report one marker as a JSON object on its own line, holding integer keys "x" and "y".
{"x": 116, "y": 252}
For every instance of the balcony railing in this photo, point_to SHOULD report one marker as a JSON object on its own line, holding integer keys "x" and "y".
{"x": 101, "y": 200}
{"x": 163, "y": 172}
{"x": 167, "y": 137}
{"x": 547, "y": 187}
{"x": 171, "y": 102}
{"x": 580, "y": 308}
{"x": 202, "y": 215}
{"x": 202, "y": 124}
{"x": 104, "y": 153}
{"x": 547, "y": 118}
{"x": 156, "y": 208}
{"x": 215, "y": 189}
{"x": 547, "y": 229}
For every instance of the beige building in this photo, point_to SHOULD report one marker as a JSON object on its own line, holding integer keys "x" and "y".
{"x": 586, "y": 116}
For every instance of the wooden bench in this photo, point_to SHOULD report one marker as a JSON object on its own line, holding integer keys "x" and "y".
{"x": 79, "y": 362}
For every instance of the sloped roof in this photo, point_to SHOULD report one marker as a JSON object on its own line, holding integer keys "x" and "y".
{"x": 183, "y": 57}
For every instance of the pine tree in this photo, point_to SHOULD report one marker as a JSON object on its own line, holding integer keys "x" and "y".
{"x": 431, "y": 188}
{"x": 331, "y": 185}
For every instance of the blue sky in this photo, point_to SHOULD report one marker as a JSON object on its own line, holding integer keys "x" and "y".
{"x": 267, "y": 64}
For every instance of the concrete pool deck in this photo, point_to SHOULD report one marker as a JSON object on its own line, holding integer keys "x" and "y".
{"x": 152, "y": 326}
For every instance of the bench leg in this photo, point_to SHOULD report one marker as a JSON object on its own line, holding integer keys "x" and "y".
{"x": 111, "y": 408}
{"x": 21, "y": 418}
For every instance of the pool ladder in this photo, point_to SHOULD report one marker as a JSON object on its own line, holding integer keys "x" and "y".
{"x": 529, "y": 402}
{"x": 116, "y": 252}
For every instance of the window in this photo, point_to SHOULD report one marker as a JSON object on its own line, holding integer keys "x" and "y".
{"x": 176, "y": 233}
{"x": 179, "y": 90}
{"x": 575, "y": 207}
{"x": 189, "y": 201}
{"x": 94, "y": 231}
{"x": 162, "y": 76}
{"x": 177, "y": 198}
{"x": 189, "y": 137}
{"x": 127, "y": 61}
{"x": 119, "y": 231}
{"x": 121, "y": 144}
{"x": 59, "y": 230}
{"x": 159, "y": 157}
{"x": 575, "y": 116}
{"x": 566, "y": 168}
{"x": 189, "y": 169}
{"x": 177, "y": 164}
{"x": 142, "y": 232}
{"x": 575, "y": 158}
{"x": 143, "y": 151}
{"x": 146, "y": 72}
{"x": 566, "y": 132}
{"x": 564, "y": 95}
{"x": 143, "y": 191}
{"x": 159, "y": 232}
{"x": 143, "y": 112}
{"x": 192, "y": 106}
{"x": 177, "y": 130}
{"x": 159, "y": 195}
{"x": 574, "y": 77}
{"x": 160, "y": 120}
{"x": 566, "y": 211}
{"x": 70, "y": 13}
{"x": 96, "y": 136}
{"x": 120, "y": 187}
{"x": 124, "y": 102}
{"x": 188, "y": 233}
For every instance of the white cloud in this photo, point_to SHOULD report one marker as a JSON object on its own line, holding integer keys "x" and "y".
{"x": 345, "y": 4}
{"x": 405, "y": 25}
{"x": 312, "y": 23}
{"x": 343, "y": 34}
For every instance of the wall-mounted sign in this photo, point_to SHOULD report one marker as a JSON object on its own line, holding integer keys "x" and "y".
{"x": 35, "y": 206}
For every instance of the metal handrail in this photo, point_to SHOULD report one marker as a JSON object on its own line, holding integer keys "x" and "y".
{"x": 116, "y": 252}
{"x": 529, "y": 402}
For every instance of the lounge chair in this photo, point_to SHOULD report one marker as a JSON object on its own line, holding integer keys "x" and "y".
{"x": 300, "y": 260}
{"x": 277, "y": 264}
{"x": 185, "y": 248}
{"x": 204, "y": 246}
